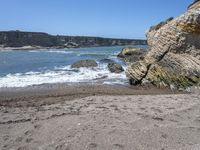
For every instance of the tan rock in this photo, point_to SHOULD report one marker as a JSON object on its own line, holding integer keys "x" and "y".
{"x": 132, "y": 54}
{"x": 174, "y": 54}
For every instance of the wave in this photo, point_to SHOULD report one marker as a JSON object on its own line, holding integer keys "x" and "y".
{"x": 52, "y": 51}
{"x": 34, "y": 51}
{"x": 64, "y": 74}
{"x": 61, "y": 52}
{"x": 90, "y": 54}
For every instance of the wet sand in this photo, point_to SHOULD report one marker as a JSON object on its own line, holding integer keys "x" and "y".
{"x": 53, "y": 93}
{"x": 83, "y": 117}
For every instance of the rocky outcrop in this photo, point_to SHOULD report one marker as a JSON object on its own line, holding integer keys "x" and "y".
{"x": 115, "y": 68}
{"x": 174, "y": 56}
{"x": 21, "y": 39}
{"x": 71, "y": 45}
{"x": 132, "y": 54}
{"x": 84, "y": 63}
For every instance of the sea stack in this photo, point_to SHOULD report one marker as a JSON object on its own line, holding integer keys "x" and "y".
{"x": 173, "y": 59}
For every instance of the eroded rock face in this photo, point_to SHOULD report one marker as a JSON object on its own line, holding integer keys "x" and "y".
{"x": 174, "y": 56}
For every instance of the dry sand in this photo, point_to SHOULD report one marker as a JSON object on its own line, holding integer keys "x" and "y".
{"x": 110, "y": 120}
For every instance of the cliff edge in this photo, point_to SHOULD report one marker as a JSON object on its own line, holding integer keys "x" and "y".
{"x": 19, "y": 39}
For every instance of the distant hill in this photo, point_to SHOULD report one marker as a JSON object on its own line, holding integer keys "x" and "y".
{"x": 39, "y": 39}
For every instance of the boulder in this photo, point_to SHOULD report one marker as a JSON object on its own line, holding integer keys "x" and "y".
{"x": 84, "y": 63}
{"x": 132, "y": 54}
{"x": 115, "y": 68}
{"x": 173, "y": 58}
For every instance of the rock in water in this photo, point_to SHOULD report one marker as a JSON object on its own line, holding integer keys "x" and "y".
{"x": 132, "y": 54}
{"x": 84, "y": 63}
{"x": 131, "y": 51}
{"x": 115, "y": 68}
{"x": 174, "y": 56}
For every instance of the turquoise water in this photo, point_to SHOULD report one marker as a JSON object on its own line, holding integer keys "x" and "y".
{"x": 33, "y": 67}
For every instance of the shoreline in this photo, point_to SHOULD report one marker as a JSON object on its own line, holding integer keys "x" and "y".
{"x": 47, "y": 94}
{"x": 28, "y": 47}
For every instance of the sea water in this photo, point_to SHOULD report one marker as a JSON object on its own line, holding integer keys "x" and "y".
{"x": 22, "y": 68}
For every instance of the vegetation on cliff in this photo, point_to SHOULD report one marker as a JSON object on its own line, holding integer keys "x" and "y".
{"x": 20, "y": 39}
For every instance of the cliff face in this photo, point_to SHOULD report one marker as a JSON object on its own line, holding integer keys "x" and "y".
{"x": 174, "y": 56}
{"x": 20, "y": 39}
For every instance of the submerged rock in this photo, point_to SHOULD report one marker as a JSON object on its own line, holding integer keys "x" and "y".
{"x": 115, "y": 68}
{"x": 84, "y": 63}
{"x": 106, "y": 60}
{"x": 132, "y": 54}
{"x": 174, "y": 56}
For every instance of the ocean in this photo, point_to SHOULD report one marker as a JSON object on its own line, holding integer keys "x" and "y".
{"x": 21, "y": 68}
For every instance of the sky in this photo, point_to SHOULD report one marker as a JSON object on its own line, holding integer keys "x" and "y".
{"x": 104, "y": 18}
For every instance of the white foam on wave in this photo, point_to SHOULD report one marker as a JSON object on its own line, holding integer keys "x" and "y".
{"x": 63, "y": 75}
{"x": 52, "y": 51}
{"x": 33, "y": 51}
{"x": 61, "y": 52}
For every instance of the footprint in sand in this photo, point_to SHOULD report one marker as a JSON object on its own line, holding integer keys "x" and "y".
{"x": 62, "y": 147}
{"x": 29, "y": 140}
{"x": 164, "y": 136}
{"x": 92, "y": 146}
{"x": 115, "y": 107}
{"x": 170, "y": 108}
{"x": 19, "y": 139}
{"x": 129, "y": 99}
{"x": 27, "y": 132}
{"x": 118, "y": 146}
{"x": 5, "y": 138}
{"x": 158, "y": 118}
{"x": 197, "y": 119}
{"x": 22, "y": 148}
{"x": 142, "y": 108}
{"x": 37, "y": 126}
{"x": 156, "y": 110}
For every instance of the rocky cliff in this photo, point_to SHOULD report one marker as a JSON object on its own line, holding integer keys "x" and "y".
{"x": 20, "y": 39}
{"x": 174, "y": 52}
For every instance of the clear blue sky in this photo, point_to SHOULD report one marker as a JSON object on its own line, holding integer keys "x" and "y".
{"x": 106, "y": 18}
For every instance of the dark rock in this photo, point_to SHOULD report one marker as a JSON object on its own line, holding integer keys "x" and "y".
{"x": 115, "y": 68}
{"x": 20, "y": 39}
{"x": 84, "y": 63}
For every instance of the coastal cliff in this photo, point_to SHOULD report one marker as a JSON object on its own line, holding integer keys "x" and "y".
{"x": 39, "y": 39}
{"x": 173, "y": 59}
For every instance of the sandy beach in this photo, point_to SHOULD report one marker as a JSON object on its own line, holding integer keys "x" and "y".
{"x": 99, "y": 117}
{"x": 100, "y": 75}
